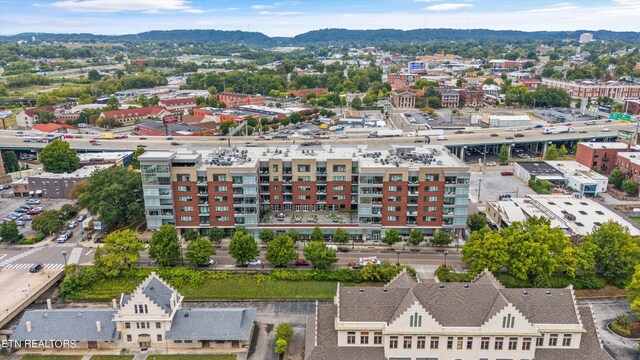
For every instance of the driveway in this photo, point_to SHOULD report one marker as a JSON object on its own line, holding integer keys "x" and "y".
{"x": 604, "y": 312}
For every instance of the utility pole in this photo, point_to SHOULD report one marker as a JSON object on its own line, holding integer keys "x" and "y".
{"x": 479, "y": 188}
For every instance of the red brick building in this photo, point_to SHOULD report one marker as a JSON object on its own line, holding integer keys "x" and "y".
{"x": 471, "y": 98}
{"x": 302, "y": 93}
{"x": 234, "y": 99}
{"x": 182, "y": 104}
{"x": 130, "y": 116}
{"x": 632, "y": 107}
{"x": 617, "y": 90}
{"x": 600, "y": 156}
{"x": 629, "y": 163}
{"x": 402, "y": 80}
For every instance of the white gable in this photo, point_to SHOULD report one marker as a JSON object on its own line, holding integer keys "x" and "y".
{"x": 509, "y": 320}
{"x": 416, "y": 315}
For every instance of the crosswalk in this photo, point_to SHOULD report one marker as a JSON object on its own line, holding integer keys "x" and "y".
{"x": 67, "y": 244}
{"x": 19, "y": 256}
{"x": 29, "y": 265}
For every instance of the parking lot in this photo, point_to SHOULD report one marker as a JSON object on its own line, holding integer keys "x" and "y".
{"x": 10, "y": 205}
{"x": 492, "y": 184}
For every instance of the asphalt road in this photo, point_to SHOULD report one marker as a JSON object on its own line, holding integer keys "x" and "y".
{"x": 478, "y": 137}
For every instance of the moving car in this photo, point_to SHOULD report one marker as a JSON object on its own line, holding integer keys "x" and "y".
{"x": 509, "y": 137}
{"x": 173, "y": 143}
{"x": 518, "y": 135}
{"x": 302, "y": 262}
{"x": 249, "y": 144}
{"x": 35, "y": 268}
{"x": 97, "y": 143}
{"x": 606, "y": 130}
{"x": 72, "y": 224}
{"x": 254, "y": 262}
{"x": 491, "y": 163}
{"x": 212, "y": 262}
{"x": 441, "y": 137}
{"x": 494, "y": 135}
{"x": 507, "y": 173}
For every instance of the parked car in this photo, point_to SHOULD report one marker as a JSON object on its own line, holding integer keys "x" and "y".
{"x": 20, "y": 223}
{"x": 302, "y": 262}
{"x": 369, "y": 260}
{"x": 491, "y": 163}
{"x": 62, "y": 239}
{"x": 39, "y": 208}
{"x": 72, "y": 224}
{"x": 35, "y": 268}
{"x": 82, "y": 217}
{"x": 26, "y": 218}
{"x": 33, "y": 212}
{"x": 343, "y": 249}
{"x": 21, "y": 210}
{"x": 507, "y": 173}
{"x": 519, "y": 135}
{"x": 254, "y": 262}
{"x": 33, "y": 202}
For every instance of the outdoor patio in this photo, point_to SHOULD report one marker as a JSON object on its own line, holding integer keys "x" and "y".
{"x": 311, "y": 218}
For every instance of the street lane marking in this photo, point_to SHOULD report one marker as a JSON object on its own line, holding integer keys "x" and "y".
{"x": 3, "y": 255}
{"x": 88, "y": 252}
{"x": 74, "y": 258}
{"x": 25, "y": 266}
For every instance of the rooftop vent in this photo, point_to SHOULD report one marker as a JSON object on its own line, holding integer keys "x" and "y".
{"x": 361, "y": 291}
{"x": 548, "y": 293}
{"x": 384, "y": 289}
{"x": 466, "y": 286}
{"x": 441, "y": 286}
{"x": 525, "y": 293}
{"x": 186, "y": 314}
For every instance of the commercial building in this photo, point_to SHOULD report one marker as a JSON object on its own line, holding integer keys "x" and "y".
{"x": 574, "y": 214}
{"x": 130, "y": 116}
{"x": 59, "y": 186}
{"x": 365, "y": 191}
{"x": 121, "y": 159}
{"x": 472, "y": 98}
{"x": 505, "y": 120}
{"x": 477, "y": 320}
{"x": 178, "y": 105}
{"x": 632, "y": 107}
{"x": 157, "y": 128}
{"x": 617, "y": 90}
{"x": 302, "y": 93}
{"x": 586, "y": 37}
{"x": 600, "y": 156}
{"x": 402, "y": 79}
{"x": 55, "y": 128}
{"x": 403, "y": 99}
{"x": 448, "y": 97}
{"x": 580, "y": 178}
{"x": 504, "y": 64}
{"x": 629, "y": 164}
{"x": 540, "y": 169}
{"x": 234, "y": 99}
{"x": 151, "y": 317}
{"x": 28, "y": 117}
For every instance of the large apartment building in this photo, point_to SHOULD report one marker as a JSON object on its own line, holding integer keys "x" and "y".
{"x": 617, "y": 90}
{"x": 482, "y": 320}
{"x": 363, "y": 190}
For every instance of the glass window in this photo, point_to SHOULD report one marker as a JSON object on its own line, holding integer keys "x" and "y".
{"x": 186, "y": 218}
{"x": 338, "y": 188}
{"x": 484, "y": 343}
{"x": 395, "y": 177}
{"x": 393, "y": 342}
{"x": 364, "y": 337}
{"x": 339, "y": 168}
{"x": 422, "y": 342}
{"x": 351, "y": 337}
{"x": 513, "y": 343}
{"x": 377, "y": 338}
{"x": 150, "y": 192}
{"x": 498, "y": 344}
{"x": 406, "y": 342}
{"x": 460, "y": 343}
{"x": 434, "y": 342}
{"x": 553, "y": 340}
{"x": 540, "y": 341}
{"x": 526, "y": 344}
{"x": 450, "y": 343}
{"x": 339, "y": 178}
{"x": 469, "y": 343}
{"x": 566, "y": 340}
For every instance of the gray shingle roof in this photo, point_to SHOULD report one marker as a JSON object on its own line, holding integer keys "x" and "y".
{"x": 589, "y": 344}
{"x": 212, "y": 324}
{"x": 540, "y": 308}
{"x": 157, "y": 291}
{"x": 372, "y": 305}
{"x": 328, "y": 341}
{"x": 67, "y": 324}
{"x": 403, "y": 280}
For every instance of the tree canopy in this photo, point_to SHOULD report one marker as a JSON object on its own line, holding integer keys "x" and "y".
{"x": 243, "y": 247}
{"x": 316, "y": 234}
{"x": 164, "y": 247}
{"x": 391, "y": 237}
{"x": 477, "y": 221}
{"x": 281, "y": 251}
{"x": 116, "y": 195}
{"x": 58, "y": 157}
{"x": 199, "y": 251}
{"x": 320, "y": 255}
{"x": 121, "y": 250}
{"x": 340, "y": 236}
{"x": 47, "y": 222}
{"x": 9, "y": 232}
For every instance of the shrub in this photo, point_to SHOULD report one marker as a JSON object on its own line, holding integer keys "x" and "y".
{"x": 77, "y": 279}
{"x": 446, "y": 274}
{"x": 622, "y": 325}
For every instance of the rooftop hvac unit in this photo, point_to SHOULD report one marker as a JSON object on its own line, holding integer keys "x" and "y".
{"x": 570, "y": 217}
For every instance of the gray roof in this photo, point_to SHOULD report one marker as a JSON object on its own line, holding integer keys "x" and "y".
{"x": 212, "y": 324}
{"x": 403, "y": 280}
{"x": 328, "y": 341}
{"x": 373, "y": 304}
{"x": 67, "y": 324}
{"x": 158, "y": 292}
{"x": 544, "y": 306}
{"x": 589, "y": 344}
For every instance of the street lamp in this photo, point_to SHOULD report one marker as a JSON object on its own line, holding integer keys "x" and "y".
{"x": 445, "y": 257}
{"x": 398, "y": 262}
{"x": 64, "y": 254}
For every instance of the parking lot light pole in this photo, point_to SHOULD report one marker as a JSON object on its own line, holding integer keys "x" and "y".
{"x": 445, "y": 257}
{"x": 64, "y": 255}
{"x": 398, "y": 262}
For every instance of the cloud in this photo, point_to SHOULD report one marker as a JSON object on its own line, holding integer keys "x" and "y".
{"x": 232, "y": 9}
{"x": 279, "y": 13}
{"x": 556, "y": 7}
{"x": 112, "y": 6}
{"x": 447, "y": 7}
{"x": 261, "y": 7}
{"x": 194, "y": 11}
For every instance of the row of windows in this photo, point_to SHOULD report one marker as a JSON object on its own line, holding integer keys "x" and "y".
{"x": 364, "y": 338}
{"x": 158, "y": 338}
{"x": 142, "y": 325}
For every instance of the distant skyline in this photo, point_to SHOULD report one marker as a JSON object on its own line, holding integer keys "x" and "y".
{"x": 293, "y": 17}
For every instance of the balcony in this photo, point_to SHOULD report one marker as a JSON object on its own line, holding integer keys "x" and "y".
{"x": 203, "y": 195}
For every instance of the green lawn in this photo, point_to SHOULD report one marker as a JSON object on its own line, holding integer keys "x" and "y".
{"x": 232, "y": 288}
{"x": 191, "y": 357}
{"x": 112, "y": 357}
{"x": 635, "y": 218}
{"x": 52, "y": 357}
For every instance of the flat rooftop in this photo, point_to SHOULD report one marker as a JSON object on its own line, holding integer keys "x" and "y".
{"x": 633, "y": 157}
{"x": 83, "y": 172}
{"x": 540, "y": 169}
{"x": 606, "y": 145}
{"x": 103, "y": 156}
{"x": 579, "y": 171}
{"x": 560, "y": 208}
{"x": 367, "y": 157}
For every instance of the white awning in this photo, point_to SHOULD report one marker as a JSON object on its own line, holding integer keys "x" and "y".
{"x": 31, "y": 192}
{"x": 38, "y": 192}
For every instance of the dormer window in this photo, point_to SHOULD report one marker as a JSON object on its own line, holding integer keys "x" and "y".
{"x": 508, "y": 321}
{"x": 415, "y": 320}
{"x": 140, "y": 309}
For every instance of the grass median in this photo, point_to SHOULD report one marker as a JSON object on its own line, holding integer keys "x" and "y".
{"x": 192, "y": 357}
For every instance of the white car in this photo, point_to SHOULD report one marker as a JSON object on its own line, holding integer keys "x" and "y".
{"x": 441, "y": 137}
{"x": 411, "y": 134}
{"x": 413, "y": 121}
{"x": 254, "y": 262}
{"x": 212, "y": 262}
{"x": 72, "y": 224}
{"x": 369, "y": 260}
{"x": 510, "y": 129}
{"x": 491, "y": 163}
{"x": 606, "y": 130}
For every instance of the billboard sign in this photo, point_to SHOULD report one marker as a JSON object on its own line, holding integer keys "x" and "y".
{"x": 5, "y": 113}
{"x": 97, "y": 225}
{"x": 620, "y": 116}
{"x": 170, "y": 119}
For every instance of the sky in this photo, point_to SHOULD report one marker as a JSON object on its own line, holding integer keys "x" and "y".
{"x": 292, "y": 17}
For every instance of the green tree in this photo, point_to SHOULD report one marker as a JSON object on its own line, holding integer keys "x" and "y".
{"x": 47, "y": 222}
{"x": 340, "y": 236}
{"x": 85, "y": 99}
{"x": 281, "y": 251}
{"x": 617, "y": 252}
{"x": 281, "y": 346}
{"x": 93, "y": 75}
{"x": 67, "y": 212}
{"x": 225, "y": 127}
{"x": 616, "y": 177}
{"x": 135, "y": 163}
{"x": 11, "y": 163}
{"x": 485, "y": 249}
{"x": 164, "y": 246}
{"x": 58, "y": 157}
{"x": 113, "y": 104}
{"x": 216, "y": 234}
{"x": 116, "y": 195}
{"x": 243, "y": 247}
{"x": 199, "y": 251}
{"x": 477, "y": 221}
{"x": 537, "y": 251}
{"x": 266, "y": 235}
{"x": 316, "y": 234}
{"x": 503, "y": 155}
{"x": 434, "y": 102}
{"x": 284, "y": 331}
{"x": 356, "y": 103}
{"x": 9, "y": 232}
{"x": 441, "y": 238}
{"x": 294, "y": 235}
{"x": 630, "y": 187}
{"x": 552, "y": 153}
{"x": 633, "y": 291}
{"x": 320, "y": 255}
{"x": 563, "y": 150}
{"x": 391, "y": 237}
{"x": 416, "y": 237}
{"x": 190, "y": 235}
{"x": 121, "y": 250}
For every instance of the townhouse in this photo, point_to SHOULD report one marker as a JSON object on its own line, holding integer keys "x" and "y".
{"x": 365, "y": 191}
{"x": 482, "y": 320}
{"x": 601, "y": 156}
